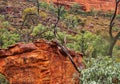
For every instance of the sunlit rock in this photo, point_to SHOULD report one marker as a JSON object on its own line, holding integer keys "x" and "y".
{"x": 41, "y": 62}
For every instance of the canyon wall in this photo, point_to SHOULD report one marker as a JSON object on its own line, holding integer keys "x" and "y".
{"x": 88, "y": 5}
{"x": 104, "y": 5}
{"x": 41, "y": 62}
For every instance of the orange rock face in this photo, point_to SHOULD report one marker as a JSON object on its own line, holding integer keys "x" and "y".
{"x": 104, "y": 5}
{"x": 41, "y": 62}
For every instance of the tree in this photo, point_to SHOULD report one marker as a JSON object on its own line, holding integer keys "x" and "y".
{"x": 113, "y": 39}
{"x": 30, "y": 19}
{"x": 60, "y": 10}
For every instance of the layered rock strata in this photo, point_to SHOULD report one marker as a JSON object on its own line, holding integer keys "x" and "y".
{"x": 41, "y": 62}
{"x": 88, "y": 5}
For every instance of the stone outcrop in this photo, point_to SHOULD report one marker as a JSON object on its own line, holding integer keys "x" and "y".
{"x": 104, "y": 5}
{"x": 41, "y": 62}
{"x": 88, "y": 5}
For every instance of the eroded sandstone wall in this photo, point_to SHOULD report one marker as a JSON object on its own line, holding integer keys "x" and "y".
{"x": 41, "y": 62}
{"x": 88, "y": 5}
{"x": 105, "y": 5}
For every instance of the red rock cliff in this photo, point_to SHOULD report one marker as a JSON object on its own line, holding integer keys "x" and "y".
{"x": 41, "y": 62}
{"x": 105, "y": 5}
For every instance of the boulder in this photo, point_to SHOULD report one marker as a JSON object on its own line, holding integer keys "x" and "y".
{"x": 41, "y": 62}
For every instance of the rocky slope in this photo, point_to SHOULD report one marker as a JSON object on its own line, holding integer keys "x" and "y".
{"x": 41, "y": 62}
{"x": 88, "y": 5}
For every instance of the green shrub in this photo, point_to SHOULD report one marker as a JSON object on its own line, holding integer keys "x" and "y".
{"x": 118, "y": 16}
{"x": 53, "y": 9}
{"x": 94, "y": 45}
{"x": 76, "y": 9}
{"x": 44, "y": 5}
{"x": 2, "y": 17}
{"x": 101, "y": 70}
{"x": 42, "y": 31}
{"x": 5, "y": 24}
{"x": 71, "y": 21}
{"x": 31, "y": 10}
{"x": 7, "y": 35}
{"x": 3, "y": 80}
{"x": 115, "y": 28}
{"x": 7, "y": 38}
{"x": 48, "y": 7}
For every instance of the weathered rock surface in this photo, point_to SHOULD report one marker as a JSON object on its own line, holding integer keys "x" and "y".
{"x": 88, "y": 5}
{"x": 41, "y": 62}
{"x": 105, "y": 5}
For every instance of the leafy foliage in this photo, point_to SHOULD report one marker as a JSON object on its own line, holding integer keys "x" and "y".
{"x": 74, "y": 42}
{"x": 7, "y": 37}
{"x": 52, "y": 8}
{"x": 76, "y": 9}
{"x": 72, "y": 21}
{"x": 91, "y": 42}
{"x": 31, "y": 10}
{"x": 3, "y": 80}
{"x": 42, "y": 31}
{"x": 49, "y": 7}
{"x": 101, "y": 70}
